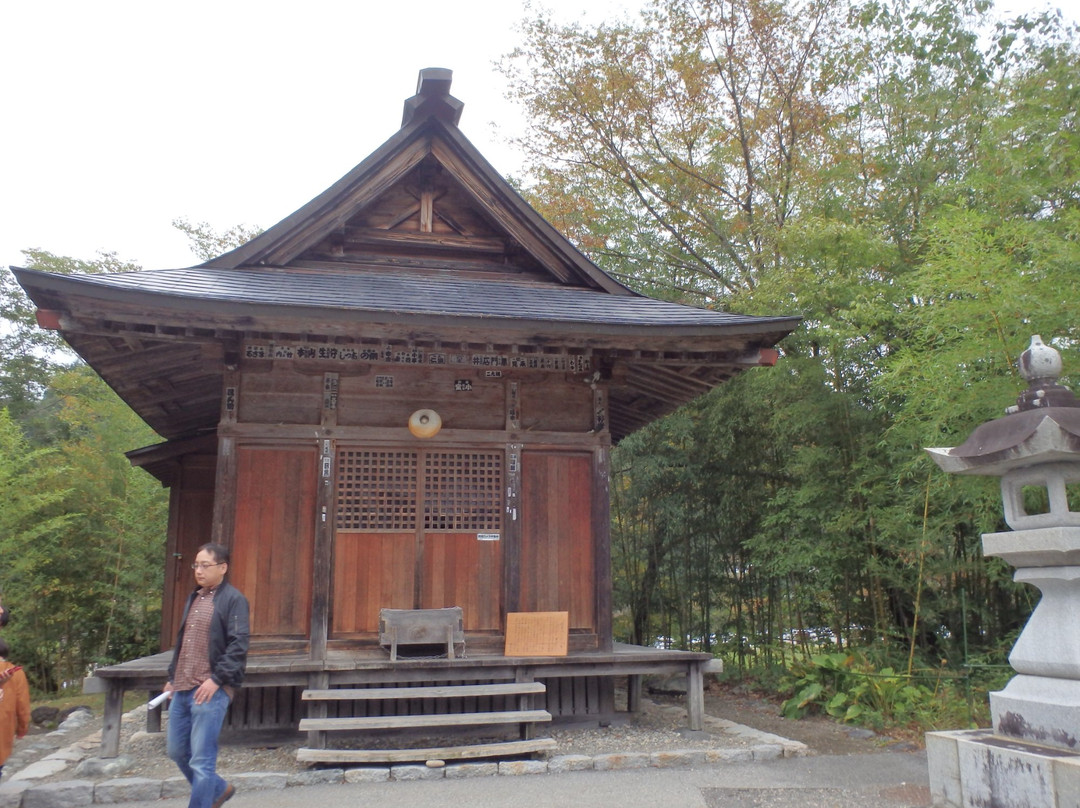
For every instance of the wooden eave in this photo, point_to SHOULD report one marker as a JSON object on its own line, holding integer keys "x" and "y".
{"x": 422, "y": 245}
{"x": 163, "y": 460}
{"x": 165, "y": 355}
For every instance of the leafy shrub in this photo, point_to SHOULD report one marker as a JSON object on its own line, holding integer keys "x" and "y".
{"x": 848, "y": 687}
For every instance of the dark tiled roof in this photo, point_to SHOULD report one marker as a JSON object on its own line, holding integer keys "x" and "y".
{"x": 402, "y": 294}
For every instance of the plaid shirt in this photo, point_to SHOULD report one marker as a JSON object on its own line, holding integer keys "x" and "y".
{"x": 193, "y": 664}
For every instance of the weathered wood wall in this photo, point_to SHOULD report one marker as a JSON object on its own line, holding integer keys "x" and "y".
{"x": 191, "y": 512}
{"x": 497, "y": 513}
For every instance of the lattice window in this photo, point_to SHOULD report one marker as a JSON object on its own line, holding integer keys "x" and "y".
{"x": 463, "y": 491}
{"x": 376, "y": 490}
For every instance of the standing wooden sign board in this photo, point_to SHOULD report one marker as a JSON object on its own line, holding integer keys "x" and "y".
{"x": 537, "y": 633}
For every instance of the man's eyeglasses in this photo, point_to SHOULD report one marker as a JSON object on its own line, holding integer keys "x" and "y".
{"x": 202, "y": 565}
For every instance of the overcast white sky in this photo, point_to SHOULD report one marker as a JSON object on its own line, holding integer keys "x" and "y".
{"x": 119, "y": 116}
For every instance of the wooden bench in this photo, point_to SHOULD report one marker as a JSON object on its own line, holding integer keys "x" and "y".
{"x": 524, "y": 717}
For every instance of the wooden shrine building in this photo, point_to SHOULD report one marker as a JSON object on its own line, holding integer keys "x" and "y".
{"x": 402, "y": 396}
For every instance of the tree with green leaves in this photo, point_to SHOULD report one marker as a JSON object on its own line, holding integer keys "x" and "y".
{"x": 903, "y": 175}
{"x": 82, "y": 531}
{"x": 671, "y": 150}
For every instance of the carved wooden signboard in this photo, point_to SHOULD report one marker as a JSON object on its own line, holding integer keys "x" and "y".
{"x": 562, "y": 362}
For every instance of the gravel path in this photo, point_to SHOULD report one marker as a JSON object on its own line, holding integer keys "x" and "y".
{"x": 71, "y": 751}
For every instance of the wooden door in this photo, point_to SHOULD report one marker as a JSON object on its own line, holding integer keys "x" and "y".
{"x": 417, "y": 529}
{"x": 274, "y": 537}
{"x": 191, "y": 515}
{"x": 557, "y": 549}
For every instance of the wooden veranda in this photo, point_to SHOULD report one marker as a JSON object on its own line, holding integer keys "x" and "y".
{"x": 577, "y": 685}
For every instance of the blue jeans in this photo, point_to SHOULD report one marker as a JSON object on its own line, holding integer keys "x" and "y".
{"x": 193, "y": 743}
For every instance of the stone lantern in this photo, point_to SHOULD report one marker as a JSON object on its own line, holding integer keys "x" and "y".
{"x": 1031, "y": 756}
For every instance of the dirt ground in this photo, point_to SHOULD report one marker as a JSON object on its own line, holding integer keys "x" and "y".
{"x": 822, "y": 734}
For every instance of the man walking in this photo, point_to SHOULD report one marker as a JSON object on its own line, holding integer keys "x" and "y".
{"x": 206, "y": 670}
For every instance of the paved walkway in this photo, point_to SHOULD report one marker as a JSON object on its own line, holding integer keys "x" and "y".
{"x": 881, "y": 780}
{"x": 758, "y": 770}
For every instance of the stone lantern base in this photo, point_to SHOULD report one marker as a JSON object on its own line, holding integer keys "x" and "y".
{"x": 1040, "y": 710}
{"x": 978, "y": 769}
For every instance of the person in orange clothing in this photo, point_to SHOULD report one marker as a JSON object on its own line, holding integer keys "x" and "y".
{"x": 14, "y": 704}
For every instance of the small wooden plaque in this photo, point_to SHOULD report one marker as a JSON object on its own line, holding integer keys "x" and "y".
{"x": 537, "y": 633}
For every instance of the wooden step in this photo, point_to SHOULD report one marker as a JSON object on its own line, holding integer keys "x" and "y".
{"x": 470, "y": 752}
{"x": 435, "y": 692}
{"x": 418, "y": 721}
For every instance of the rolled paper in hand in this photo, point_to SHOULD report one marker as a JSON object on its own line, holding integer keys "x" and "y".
{"x": 156, "y": 702}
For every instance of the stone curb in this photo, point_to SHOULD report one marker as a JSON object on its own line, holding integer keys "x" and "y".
{"x": 69, "y": 793}
{"x": 21, "y": 791}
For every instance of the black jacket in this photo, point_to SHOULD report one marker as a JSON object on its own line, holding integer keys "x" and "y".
{"x": 228, "y": 636}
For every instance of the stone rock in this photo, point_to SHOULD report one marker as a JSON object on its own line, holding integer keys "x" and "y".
{"x": 767, "y": 751}
{"x": 104, "y": 767}
{"x": 259, "y": 781}
{"x": 570, "y": 763}
{"x": 728, "y": 755}
{"x": 41, "y": 769}
{"x": 412, "y": 772}
{"x": 175, "y": 787}
{"x": 621, "y": 760}
{"x": 367, "y": 774}
{"x": 317, "y": 777}
{"x": 44, "y": 715}
{"x": 459, "y": 771}
{"x": 65, "y": 794}
{"x": 515, "y": 768}
{"x": 81, "y": 710}
{"x": 677, "y": 758}
{"x": 67, "y": 754}
{"x": 127, "y": 789}
{"x": 11, "y": 793}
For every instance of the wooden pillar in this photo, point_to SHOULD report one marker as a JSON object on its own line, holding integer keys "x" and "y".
{"x": 225, "y": 482}
{"x": 606, "y": 697}
{"x": 633, "y": 693}
{"x": 316, "y": 708}
{"x": 601, "y": 530}
{"x": 153, "y": 717}
{"x": 323, "y": 552}
{"x": 114, "y": 710}
{"x": 695, "y": 695}
{"x": 512, "y": 532}
{"x": 525, "y": 700}
{"x": 173, "y": 557}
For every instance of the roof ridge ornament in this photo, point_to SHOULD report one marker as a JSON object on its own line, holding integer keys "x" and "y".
{"x": 433, "y": 99}
{"x": 1040, "y": 364}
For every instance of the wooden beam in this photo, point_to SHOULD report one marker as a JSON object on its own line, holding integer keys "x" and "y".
{"x": 467, "y": 752}
{"x": 423, "y": 721}
{"x": 425, "y": 239}
{"x": 319, "y": 224}
{"x": 424, "y": 692}
{"x": 427, "y": 208}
